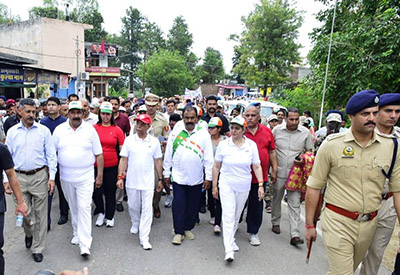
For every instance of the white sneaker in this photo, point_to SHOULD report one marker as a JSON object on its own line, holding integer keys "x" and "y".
{"x": 217, "y": 229}
{"x": 229, "y": 256}
{"x": 146, "y": 246}
{"x": 134, "y": 230}
{"x": 168, "y": 201}
{"x": 235, "y": 247}
{"x": 85, "y": 251}
{"x": 75, "y": 240}
{"x": 212, "y": 221}
{"x": 110, "y": 223}
{"x": 254, "y": 240}
{"x": 100, "y": 219}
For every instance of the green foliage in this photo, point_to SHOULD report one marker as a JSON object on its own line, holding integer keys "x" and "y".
{"x": 365, "y": 50}
{"x": 152, "y": 38}
{"x": 167, "y": 73}
{"x": 213, "y": 67}
{"x": 113, "y": 92}
{"x": 5, "y": 16}
{"x": 87, "y": 11}
{"x": 49, "y": 10}
{"x": 268, "y": 45}
{"x": 179, "y": 38}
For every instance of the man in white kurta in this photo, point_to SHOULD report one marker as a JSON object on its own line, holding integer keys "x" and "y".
{"x": 78, "y": 147}
{"x": 141, "y": 152}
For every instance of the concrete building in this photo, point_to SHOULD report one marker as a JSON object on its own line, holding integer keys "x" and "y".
{"x": 57, "y": 46}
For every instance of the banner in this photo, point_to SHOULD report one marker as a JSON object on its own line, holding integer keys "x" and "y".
{"x": 63, "y": 83}
{"x": 195, "y": 94}
{"x": 11, "y": 75}
{"x": 107, "y": 49}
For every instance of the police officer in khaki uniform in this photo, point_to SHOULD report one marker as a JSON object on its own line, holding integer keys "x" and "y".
{"x": 388, "y": 115}
{"x": 351, "y": 163}
{"x": 159, "y": 129}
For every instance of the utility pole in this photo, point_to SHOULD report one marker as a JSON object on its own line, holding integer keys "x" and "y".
{"x": 77, "y": 57}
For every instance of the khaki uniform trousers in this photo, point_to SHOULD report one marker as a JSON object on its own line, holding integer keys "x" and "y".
{"x": 157, "y": 195}
{"x": 35, "y": 193}
{"x": 346, "y": 241}
{"x": 384, "y": 230}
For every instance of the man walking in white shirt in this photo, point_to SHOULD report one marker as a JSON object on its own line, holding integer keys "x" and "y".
{"x": 141, "y": 152}
{"x": 78, "y": 146}
{"x": 188, "y": 152}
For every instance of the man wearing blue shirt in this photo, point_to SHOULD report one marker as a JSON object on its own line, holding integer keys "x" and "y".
{"x": 52, "y": 121}
{"x": 33, "y": 153}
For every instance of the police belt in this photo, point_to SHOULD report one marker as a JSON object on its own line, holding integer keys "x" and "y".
{"x": 352, "y": 215}
{"x": 30, "y": 172}
{"x": 387, "y": 196}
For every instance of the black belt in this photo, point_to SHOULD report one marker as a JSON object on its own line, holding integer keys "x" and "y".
{"x": 30, "y": 172}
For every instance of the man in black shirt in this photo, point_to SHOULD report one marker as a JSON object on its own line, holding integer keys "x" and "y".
{"x": 211, "y": 106}
{"x": 7, "y": 165}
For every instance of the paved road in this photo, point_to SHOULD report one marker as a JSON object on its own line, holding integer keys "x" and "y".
{"x": 116, "y": 251}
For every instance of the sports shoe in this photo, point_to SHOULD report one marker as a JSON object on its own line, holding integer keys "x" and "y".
{"x": 212, "y": 221}
{"x": 75, "y": 240}
{"x": 168, "y": 201}
{"x": 254, "y": 240}
{"x": 177, "y": 239}
{"x": 100, "y": 219}
{"x": 110, "y": 223}
{"x": 189, "y": 235}
{"x": 85, "y": 251}
{"x": 235, "y": 247}
{"x": 217, "y": 229}
{"x": 146, "y": 246}
{"x": 229, "y": 256}
{"x": 134, "y": 230}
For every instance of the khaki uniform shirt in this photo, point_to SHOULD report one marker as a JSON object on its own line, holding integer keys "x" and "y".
{"x": 159, "y": 125}
{"x": 289, "y": 145}
{"x": 353, "y": 174}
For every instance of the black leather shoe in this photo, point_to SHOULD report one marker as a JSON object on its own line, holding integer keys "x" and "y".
{"x": 203, "y": 209}
{"x": 119, "y": 207}
{"x": 63, "y": 219}
{"x": 28, "y": 241}
{"x": 296, "y": 240}
{"x": 37, "y": 257}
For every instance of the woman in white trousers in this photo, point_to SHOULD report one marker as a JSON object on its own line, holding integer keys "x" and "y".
{"x": 234, "y": 159}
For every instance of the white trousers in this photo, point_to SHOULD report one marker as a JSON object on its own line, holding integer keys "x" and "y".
{"x": 140, "y": 203}
{"x": 386, "y": 222}
{"x": 79, "y": 198}
{"x": 232, "y": 204}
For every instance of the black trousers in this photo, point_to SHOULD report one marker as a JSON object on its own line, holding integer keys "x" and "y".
{"x": 185, "y": 206}
{"x": 63, "y": 204}
{"x": 1, "y": 243}
{"x": 214, "y": 206}
{"x": 107, "y": 190}
{"x": 255, "y": 209}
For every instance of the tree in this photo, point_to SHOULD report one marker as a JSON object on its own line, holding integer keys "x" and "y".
{"x": 5, "y": 16}
{"x": 131, "y": 34}
{"x": 167, "y": 74}
{"x": 213, "y": 67}
{"x": 49, "y": 10}
{"x": 179, "y": 38}
{"x": 365, "y": 50}
{"x": 88, "y": 12}
{"x": 267, "y": 46}
{"x": 152, "y": 38}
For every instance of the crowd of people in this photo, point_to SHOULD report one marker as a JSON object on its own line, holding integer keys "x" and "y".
{"x": 113, "y": 149}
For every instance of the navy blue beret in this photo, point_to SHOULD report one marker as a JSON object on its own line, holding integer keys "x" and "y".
{"x": 335, "y": 112}
{"x": 361, "y": 100}
{"x": 389, "y": 99}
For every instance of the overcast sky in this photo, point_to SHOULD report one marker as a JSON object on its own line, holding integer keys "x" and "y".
{"x": 210, "y": 21}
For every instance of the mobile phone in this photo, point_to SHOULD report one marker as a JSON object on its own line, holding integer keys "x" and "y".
{"x": 298, "y": 157}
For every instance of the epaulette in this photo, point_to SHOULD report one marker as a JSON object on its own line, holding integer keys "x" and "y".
{"x": 160, "y": 116}
{"x": 397, "y": 131}
{"x": 334, "y": 136}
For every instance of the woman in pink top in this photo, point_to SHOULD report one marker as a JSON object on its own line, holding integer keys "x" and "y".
{"x": 112, "y": 139}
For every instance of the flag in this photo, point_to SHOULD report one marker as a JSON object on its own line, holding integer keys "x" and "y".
{"x": 103, "y": 48}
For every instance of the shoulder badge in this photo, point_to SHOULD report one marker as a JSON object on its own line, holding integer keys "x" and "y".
{"x": 334, "y": 136}
{"x": 348, "y": 152}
